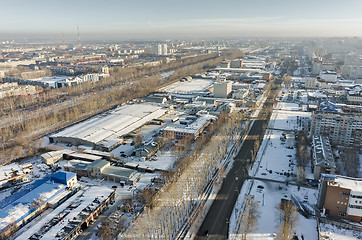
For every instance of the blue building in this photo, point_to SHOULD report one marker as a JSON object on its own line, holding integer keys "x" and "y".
{"x": 23, "y": 206}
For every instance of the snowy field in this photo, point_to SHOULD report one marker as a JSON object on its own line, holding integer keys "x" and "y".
{"x": 268, "y": 196}
{"x": 187, "y": 87}
{"x": 275, "y": 159}
{"x": 287, "y": 120}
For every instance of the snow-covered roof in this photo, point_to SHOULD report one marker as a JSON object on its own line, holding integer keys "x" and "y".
{"x": 193, "y": 127}
{"x": 355, "y": 184}
{"x": 322, "y": 152}
{"x": 189, "y": 87}
{"x": 99, "y": 164}
{"x": 18, "y": 206}
{"x": 7, "y": 171}
{"x": 108, "y": 128}
{"x": 55, "y": 153}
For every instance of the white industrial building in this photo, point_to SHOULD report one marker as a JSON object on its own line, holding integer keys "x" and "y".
{"x": 105, "y": 131}
{"x": 222, "y": 88}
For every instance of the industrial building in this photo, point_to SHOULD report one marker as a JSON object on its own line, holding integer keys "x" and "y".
{"x": 73, "y": 216}
{"x": 21, "y": 207}
{"x": 50, "y": 158}
{"x": 13, "y": 89}
{"x": 222, "y": 88}
{"x": 322, "y": 156}
{"x": 105, "y": 131}
{"x": 354, "y": 95}
{"x": 341, "y": 197}
{"x": 147, "y": 150}
{"x": 240, "y": 93}
{"x": 10, "y": 174}
{"x": 193, "y": 129}
{"x": 102, "y": 169}
{"x": 237, "y": 63}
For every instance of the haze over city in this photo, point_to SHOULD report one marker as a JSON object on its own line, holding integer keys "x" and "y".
{"x": 180, "y": 120}
{"x": 117, "y": 20}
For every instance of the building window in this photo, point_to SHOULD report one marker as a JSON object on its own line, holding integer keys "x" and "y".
{"x": 341, "y": 214}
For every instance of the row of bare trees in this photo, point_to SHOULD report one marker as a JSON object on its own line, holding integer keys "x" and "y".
{"x": 170, "y": 208}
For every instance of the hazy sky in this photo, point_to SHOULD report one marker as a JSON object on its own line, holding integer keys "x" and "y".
{"x": 179, "y": 19}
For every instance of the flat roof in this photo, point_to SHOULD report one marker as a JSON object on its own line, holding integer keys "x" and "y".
{"x": 99, "y": 163}
{"x": 119, "y": 172}
{"x": 56, "y": 153}
{"x": 7, "y": 170}
{"x": 193, "y": 127}
{"x": 107, "y": 129}
{"x": 18, "y": 207}
{"x": 85, "y": 156}
{"x": 355, "y": 184}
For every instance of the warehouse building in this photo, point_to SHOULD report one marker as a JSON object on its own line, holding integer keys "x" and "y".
{"x": 50, "y": 158}
{"x": 105, "y": 132}
{"x": 102, "y": 169}
{"x": 23, "y": 206}
{"x": 10, "y": 174}
{"x": 194, "y": 129}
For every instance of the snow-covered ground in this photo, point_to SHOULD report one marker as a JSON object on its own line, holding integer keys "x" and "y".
{"x": 275, "y": 159}
{"x": 330, "y": 232}
{"x": 288, "y": 120}
{"x": 268, "y": 196}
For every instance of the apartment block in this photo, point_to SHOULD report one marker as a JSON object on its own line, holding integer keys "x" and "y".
{"x": 341, "y": 129}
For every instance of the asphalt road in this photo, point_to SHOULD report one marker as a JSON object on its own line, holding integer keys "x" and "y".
{"x": 216, "y": 222}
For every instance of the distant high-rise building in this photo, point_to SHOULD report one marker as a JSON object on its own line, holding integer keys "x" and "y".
{"x": 162, "y": 49}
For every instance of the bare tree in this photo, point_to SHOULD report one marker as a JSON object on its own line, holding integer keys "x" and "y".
{"x": 300, "y": 176}
{"x": 248, "y": 218}
{"x": 105, "y": 231}
{"x": 288, "y": 219}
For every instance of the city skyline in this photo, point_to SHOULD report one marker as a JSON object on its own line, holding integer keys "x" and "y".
{"x": 175, "y": 19}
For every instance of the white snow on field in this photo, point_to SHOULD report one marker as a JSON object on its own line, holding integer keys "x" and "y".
{"x": 193, "y": 86}
{"x": 331, "y": 232}
{"x": 287, "y": 120}
{"x": 274, "y": 156}
{"x": 268, "y": 195}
